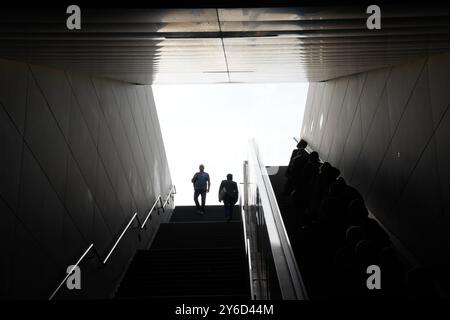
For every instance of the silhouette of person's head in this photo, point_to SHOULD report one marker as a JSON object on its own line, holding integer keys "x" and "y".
{"x": 337, "y": 188}
{"x": 201, "y": 168}
{"x": 314, "y": 156}
{"x": 229, "y": 177}
{"x": 333, "y": 173}
{"x": 302, "y": 144}
{"x": 325, "y": 167}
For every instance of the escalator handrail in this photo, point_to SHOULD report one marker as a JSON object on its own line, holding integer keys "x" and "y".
{"x": 289, "y": 277}
{"x": 247, "y": 245}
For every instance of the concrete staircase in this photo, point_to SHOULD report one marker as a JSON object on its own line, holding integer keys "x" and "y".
{"x": 192, "y": 256}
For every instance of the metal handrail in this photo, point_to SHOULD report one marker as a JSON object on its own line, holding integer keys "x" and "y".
{"x": 247, "y": 246}
{"x": 69, "y": 273}
{"x": 91, "y": 246}
{"x": 150, "y": 212}
{"x": 120, "y": 237}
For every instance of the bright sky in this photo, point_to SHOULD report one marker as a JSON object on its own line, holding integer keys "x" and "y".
{"x": 211, "y": 125}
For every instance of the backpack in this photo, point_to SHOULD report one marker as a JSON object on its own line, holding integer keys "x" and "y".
{"x": 222, "y": 193}
{"x": 230, "y": 191}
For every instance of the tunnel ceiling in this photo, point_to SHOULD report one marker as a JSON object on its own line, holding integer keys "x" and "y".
{"x": 159, "y": 46}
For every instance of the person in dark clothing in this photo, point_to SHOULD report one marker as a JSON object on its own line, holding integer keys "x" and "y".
{"x": 345, "y": 264}
{"x": 331, "y": 214}
{"x": 304, "y": 180}
{"x": 300, "y": 151}
{"x": 310, "y": 170}
{"x": 303, "y": 185}
{"x": 298, "y": 164}
{"x": 345, "y": 256}
{"x": 229, "y": 194}
{"x": 328, "y": 174}
{"x": 201, "y": 187}
{"x": 347, "y": 193}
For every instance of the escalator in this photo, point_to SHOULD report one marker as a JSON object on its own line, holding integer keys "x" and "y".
{"x": 339, "y": 242}
{"x": 278, "y": 181}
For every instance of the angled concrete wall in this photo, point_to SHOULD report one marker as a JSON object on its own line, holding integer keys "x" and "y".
{"x": 389, "y": 133}
{"x": 78, "y": 156}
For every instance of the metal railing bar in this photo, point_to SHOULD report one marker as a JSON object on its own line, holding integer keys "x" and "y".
{"x": 161, "y": 204}
{"x": 150, "y": 212}
{"x": 135, "y": 216}
{"x": 69, "y": 273}
{"x": 118, "y": 240}
{"x": 168, "y": 197}
{"x": 250, "y": 270}
{"x": 165, "y": 202}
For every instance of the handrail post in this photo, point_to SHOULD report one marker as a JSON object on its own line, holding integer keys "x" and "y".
{"x": 162, "y": 205}
{"x": 245, "y": 184}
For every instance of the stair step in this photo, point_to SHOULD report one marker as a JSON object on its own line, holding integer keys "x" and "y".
{"x": 190, "y": 297}
{"x": 222, "y": 296}
{"x": 191, "y": 285}
{"x": 213, "y": 213}
{"x": 199, "y": 235}
{"x": 151, "y": 273}
{"x": 190, "y": 258}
